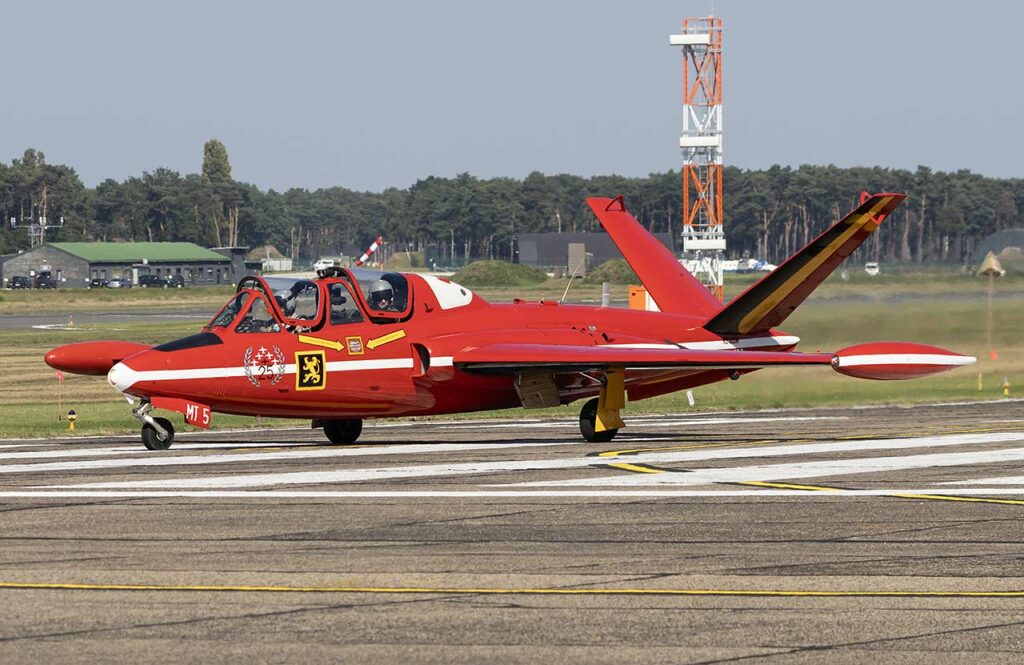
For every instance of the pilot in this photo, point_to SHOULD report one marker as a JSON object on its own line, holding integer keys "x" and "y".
{"x": 382, "y": 297}
{"x": 285, "y": 301}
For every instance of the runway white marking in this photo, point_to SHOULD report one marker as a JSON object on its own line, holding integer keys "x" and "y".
{"x": 312, "y": 453}
{"x": 489, "y": 467}
{"x": 489, "y": 493}
{"x": 139, "y": 450}
{"x": 799, "y": 470}
{"x": 653, "y": 422}
{"x": 998, "y": 480}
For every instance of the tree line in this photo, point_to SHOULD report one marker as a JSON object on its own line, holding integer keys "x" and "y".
{"x": 768, "y": 213}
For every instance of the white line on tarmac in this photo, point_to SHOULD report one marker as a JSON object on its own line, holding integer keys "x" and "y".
{"x": 647, "y": 421}
{"x": 310, "y": 453}
{"x": 489, "y": 493}
{"x": 798, "y": 470}
{"x": 50, "y": 453}
{"x": 488, "y": 467}
{"x": 998, "y": 480}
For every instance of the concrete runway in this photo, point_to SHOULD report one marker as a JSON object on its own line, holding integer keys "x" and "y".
{"x": 840, "y": 536}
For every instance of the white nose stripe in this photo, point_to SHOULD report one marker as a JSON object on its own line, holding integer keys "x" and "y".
{"x": 121, "y": 377}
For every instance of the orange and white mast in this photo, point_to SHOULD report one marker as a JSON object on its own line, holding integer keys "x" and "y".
{"x": 701, "y": 144}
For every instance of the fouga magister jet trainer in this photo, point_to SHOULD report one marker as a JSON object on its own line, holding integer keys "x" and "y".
{"x": 357, "y": 344}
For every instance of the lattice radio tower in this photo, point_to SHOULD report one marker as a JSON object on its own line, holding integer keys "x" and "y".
{"x": 701, "y": 144}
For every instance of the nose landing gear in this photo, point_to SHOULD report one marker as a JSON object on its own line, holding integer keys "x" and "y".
{"x": 157, "y": 433}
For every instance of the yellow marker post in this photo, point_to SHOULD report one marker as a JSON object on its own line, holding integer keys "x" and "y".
{"x": 1006, "y": 386}
{"x": 72, "y": 417}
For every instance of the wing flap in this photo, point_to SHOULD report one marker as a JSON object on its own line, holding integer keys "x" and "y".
{"x": 512, "y": 358}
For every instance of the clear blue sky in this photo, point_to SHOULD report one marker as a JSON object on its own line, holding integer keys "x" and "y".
{"x": 373, "y": 95}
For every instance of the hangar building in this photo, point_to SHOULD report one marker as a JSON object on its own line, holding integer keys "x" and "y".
{"x": 74, "y": 264}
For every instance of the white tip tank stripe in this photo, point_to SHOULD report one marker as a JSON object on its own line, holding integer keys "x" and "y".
{"x": 906, "y": 359}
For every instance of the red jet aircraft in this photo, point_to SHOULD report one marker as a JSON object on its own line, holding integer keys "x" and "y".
{"x": 355, "y": 344}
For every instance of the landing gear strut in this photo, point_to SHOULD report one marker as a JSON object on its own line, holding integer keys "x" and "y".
{"x": 157, "y": 433}
{"x": 588, "y": 424}
{"x": 343, "y": 431}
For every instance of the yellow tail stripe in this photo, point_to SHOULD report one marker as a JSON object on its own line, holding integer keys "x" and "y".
{"x": 768, "y": 304}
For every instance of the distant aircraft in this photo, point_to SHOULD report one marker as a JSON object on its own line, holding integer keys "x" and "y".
{"x": 356, "y": 344}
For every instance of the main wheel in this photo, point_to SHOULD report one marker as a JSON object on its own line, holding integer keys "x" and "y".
{"x": 588, "y": 421}
{"x": 343, "y": 431}
{"x": 152, "y": 440}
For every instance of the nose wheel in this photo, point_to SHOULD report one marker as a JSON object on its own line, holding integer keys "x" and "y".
{"x": 151, "y": 437}
{"x": 157, "y": 433}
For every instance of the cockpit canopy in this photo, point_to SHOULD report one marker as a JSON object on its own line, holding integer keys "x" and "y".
{"x": 344, "y": 296}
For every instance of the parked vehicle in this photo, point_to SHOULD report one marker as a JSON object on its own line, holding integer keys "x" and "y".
{"x": 119, "y": 283}
{"x": 98, "y": 283}
{"x": 176, "y": 281}
{"x": 20, "y": 282}
{"x": 153, "y": 281}
{"x": 45, "y": 280}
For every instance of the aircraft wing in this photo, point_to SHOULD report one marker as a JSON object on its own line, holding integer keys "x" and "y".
{"x": 509, "y": 358}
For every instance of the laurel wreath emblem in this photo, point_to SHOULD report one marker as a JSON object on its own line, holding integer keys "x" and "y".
{"x": 275, "y": 371}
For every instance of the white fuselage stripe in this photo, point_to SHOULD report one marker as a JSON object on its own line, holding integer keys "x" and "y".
{"x": 123, "y": 377}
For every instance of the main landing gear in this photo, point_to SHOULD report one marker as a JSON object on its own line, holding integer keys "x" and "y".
{"x": 600, "y": 417}
{"x": 588, "y": 424}
{"x": 157, "y": 433}
{"x": 342, "y": 431}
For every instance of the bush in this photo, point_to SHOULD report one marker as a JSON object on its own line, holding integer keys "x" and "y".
{"x": 499, "y": 273}
{"x": 613, "y": 271}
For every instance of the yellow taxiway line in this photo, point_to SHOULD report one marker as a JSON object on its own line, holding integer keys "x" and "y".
{"x": 897, "y": 495}
{"x": 767, "y": 593}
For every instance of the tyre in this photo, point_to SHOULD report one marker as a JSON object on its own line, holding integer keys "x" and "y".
{"x": 588, "y": 421}
{"x": 150, "y": 438}
{"x": 343, "y": 431}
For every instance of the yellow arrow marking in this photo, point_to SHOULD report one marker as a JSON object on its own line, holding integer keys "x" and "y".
{"x": 385, "y": 339}
{"x": 320, "y": 341}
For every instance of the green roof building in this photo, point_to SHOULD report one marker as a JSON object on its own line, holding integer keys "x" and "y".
{"x": 78, "y": 263}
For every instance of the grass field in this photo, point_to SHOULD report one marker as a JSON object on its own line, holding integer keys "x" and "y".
{"x": 943, "y": 309}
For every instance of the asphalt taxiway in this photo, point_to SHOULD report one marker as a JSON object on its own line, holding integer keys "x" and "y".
{"x": 843, "y": 535}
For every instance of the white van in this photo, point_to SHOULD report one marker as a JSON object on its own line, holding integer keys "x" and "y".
{"x": 325, "y": 263}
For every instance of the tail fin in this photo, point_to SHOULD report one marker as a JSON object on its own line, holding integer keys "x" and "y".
{"x": 770, "y": 301}
{"x": 671, "y": 286}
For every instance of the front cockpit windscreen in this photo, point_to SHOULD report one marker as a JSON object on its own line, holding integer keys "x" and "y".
{"x": 384, "y": 293}
{"x": 226, "y": 315}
